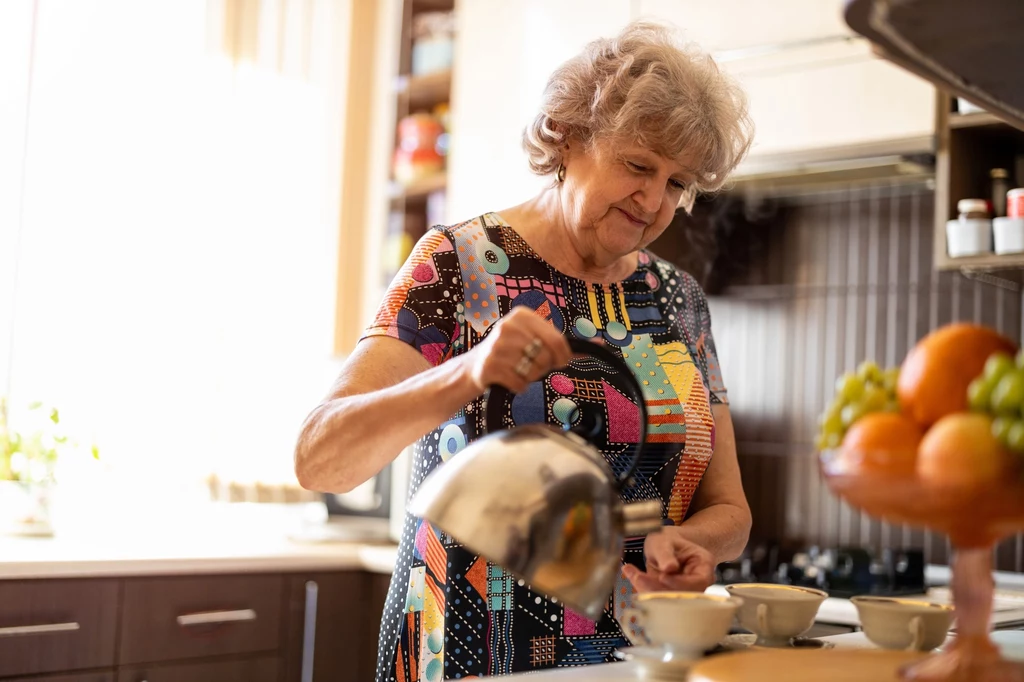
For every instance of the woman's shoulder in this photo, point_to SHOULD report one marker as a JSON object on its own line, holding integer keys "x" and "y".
{"x": 473, "y": 227}
{"x": 668, "y": 271}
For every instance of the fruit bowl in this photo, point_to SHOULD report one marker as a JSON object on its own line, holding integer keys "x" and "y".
{"x": 975, "y": 516}
{"x": 972, "y": 515}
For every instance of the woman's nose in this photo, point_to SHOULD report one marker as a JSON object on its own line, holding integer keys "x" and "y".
{"x": 648, "y": 199}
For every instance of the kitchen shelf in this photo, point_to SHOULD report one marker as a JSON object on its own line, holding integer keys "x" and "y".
{"x": 433, "y": 5}
{"x": 969, "y": 146}
{"x": 975, "y": 120}
{"x": 988, "y": 261}
{"x": 420, "y": 188}
{"x": 422, "y": 93}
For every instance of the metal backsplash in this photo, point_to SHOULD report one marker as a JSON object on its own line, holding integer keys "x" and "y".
{"x": 842, "y": 277}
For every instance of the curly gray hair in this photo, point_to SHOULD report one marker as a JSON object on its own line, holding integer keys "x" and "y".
{"x": 650, "y": 88}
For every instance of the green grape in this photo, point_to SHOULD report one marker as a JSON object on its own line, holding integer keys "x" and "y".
{"x": 979, "y": 394}
{"x": 832, "y": 423}
{"x": 833, "y": 440}
{"x": 890, "y": 378}
{"x": 820, "y": 442}
{"x": 1001, "y": 429}
{"x": 1015, "y": 437}
{"x": 892, "y": 406}
{"x": 850, "y": 387}
{"x": 869, "y": 372}
{"x": 835, "y": 408}
{"x": 874, "y": 399}
{"x": 998, "y": 365}
{"x": 1008, "y": 394}
{"x": 852, "y": 413}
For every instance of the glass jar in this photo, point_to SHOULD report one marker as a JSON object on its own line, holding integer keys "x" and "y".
{"x": 1000, "y": 184}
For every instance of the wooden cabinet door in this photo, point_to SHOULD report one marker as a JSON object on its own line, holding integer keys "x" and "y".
{"x": 56, "y": 625}
{"x": 260, "y": 669}
{"x": 166, "y": 619}
{"x": 333, "y": 623}
{"x": 101, "y": 676}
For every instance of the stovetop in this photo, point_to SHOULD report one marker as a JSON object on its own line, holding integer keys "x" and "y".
{"x": 842, "y": 572}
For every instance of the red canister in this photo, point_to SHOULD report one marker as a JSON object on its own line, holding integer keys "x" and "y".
{"x": 1015, "y": 203}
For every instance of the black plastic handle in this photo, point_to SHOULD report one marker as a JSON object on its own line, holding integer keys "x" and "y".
{"x": 497, "y": 397}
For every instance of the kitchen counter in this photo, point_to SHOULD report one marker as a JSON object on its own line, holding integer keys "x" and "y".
{"x": 1010, "y": 643}
{"x": 169, "y": 549}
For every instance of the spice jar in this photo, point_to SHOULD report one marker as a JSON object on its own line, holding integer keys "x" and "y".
{"x": 1000, "y": 178}
{"x": 1015, "y": 203}
{"x": 971, "y": 233}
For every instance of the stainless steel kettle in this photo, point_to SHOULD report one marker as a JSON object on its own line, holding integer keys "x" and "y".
{"x": 542, "y": 502}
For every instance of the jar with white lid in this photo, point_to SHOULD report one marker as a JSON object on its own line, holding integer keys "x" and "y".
{"x": 971, "y": 233}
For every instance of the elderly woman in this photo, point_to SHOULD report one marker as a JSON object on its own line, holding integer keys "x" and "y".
{"x": 630, "y": 130}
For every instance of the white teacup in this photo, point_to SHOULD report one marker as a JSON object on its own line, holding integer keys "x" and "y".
{"x": 908, "y": 624}
{"x": 685, "y": 624}
{"x": 777, "y": 613}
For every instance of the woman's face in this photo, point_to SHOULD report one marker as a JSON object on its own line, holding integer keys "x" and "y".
{"x": 620, "y": 197}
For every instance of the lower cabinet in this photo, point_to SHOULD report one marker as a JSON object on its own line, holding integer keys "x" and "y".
{"x": 333, "y": 624}
{"x": 291, "y": 627}
{"x": 54, "y": 626}
{"x": 104, "y": 676}
{"x": 242, "y": 670}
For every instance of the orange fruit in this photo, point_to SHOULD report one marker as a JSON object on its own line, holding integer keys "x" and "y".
{"x": 881, "y": 443}
{"x": 961, "y": 450}
{"x": 937, "y": 371}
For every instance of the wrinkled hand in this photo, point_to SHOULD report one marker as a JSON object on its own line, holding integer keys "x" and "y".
{"x": 673, "y": 564}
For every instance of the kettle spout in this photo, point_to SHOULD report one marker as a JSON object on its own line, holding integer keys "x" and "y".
{"x": 641, "y": 518}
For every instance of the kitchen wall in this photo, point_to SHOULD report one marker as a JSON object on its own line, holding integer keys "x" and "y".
{"x": 837, "y": 278}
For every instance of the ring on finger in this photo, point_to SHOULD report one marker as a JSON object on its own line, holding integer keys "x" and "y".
{"x": 523, "y": 366}
{"x": 532, "y": 349}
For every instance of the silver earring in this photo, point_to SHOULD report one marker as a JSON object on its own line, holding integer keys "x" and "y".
{"x": 560, "y": 173}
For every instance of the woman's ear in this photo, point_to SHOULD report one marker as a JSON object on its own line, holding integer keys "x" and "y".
{"x": 570, "y": 148}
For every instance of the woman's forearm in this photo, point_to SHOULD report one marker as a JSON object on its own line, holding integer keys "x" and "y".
{"x": 722, "y": 529}
{"x": 350, "y": 438}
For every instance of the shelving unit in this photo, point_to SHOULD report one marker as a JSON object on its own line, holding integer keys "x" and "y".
{"x": 421, "y": 93}
{"x": 969, "y": 145}
{"x": 418, "y": 190}
{"x": 414, "y": 206}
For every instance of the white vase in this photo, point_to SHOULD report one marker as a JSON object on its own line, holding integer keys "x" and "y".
{"x": 26, "y": 509}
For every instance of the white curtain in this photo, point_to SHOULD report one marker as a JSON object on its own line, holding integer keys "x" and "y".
{"x": 176, "y": 269}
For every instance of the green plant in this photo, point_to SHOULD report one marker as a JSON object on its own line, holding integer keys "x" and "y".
{"x": 30, "y": 454}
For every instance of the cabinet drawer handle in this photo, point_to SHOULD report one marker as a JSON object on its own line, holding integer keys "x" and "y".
{"x": 309, "y": 631}
{"x": 211, "y": 617}
{"x": 49, "y": 628}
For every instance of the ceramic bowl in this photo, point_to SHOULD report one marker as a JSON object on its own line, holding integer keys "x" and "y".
{"x": 910, "y": 624}
{"x": 776, "y": 613}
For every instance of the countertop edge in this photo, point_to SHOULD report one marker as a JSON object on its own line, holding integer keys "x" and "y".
{"x": 379, "y": 559}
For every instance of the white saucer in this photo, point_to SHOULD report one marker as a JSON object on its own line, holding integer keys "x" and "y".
{"x": 656, "y": 664}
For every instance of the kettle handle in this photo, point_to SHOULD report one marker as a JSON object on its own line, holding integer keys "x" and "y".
{"x": 497, "y": 396}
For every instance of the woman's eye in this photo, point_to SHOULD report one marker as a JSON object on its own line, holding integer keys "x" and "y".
{"x": 636, "y": 167}
{"x": 677, "y": 185}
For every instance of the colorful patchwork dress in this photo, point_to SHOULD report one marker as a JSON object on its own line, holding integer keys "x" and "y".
{"x": 451, "y": 614}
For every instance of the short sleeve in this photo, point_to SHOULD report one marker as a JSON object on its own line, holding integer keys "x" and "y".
{"x": 421, "y": 306}
{"x": 708, "y": 354}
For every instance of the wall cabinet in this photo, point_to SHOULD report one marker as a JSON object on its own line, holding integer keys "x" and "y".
{"x": 814, "y": 87}
{"x": 816, "y": 92}
{"x": 318, "y": 627}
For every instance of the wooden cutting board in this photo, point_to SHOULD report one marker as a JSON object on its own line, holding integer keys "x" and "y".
{"x": 787, "y": 665}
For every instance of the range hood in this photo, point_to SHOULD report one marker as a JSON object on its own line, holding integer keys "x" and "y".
{"x": 973, "y": 49}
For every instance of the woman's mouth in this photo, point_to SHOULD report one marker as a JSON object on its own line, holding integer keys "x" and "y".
{"x": 633, "y": 219}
